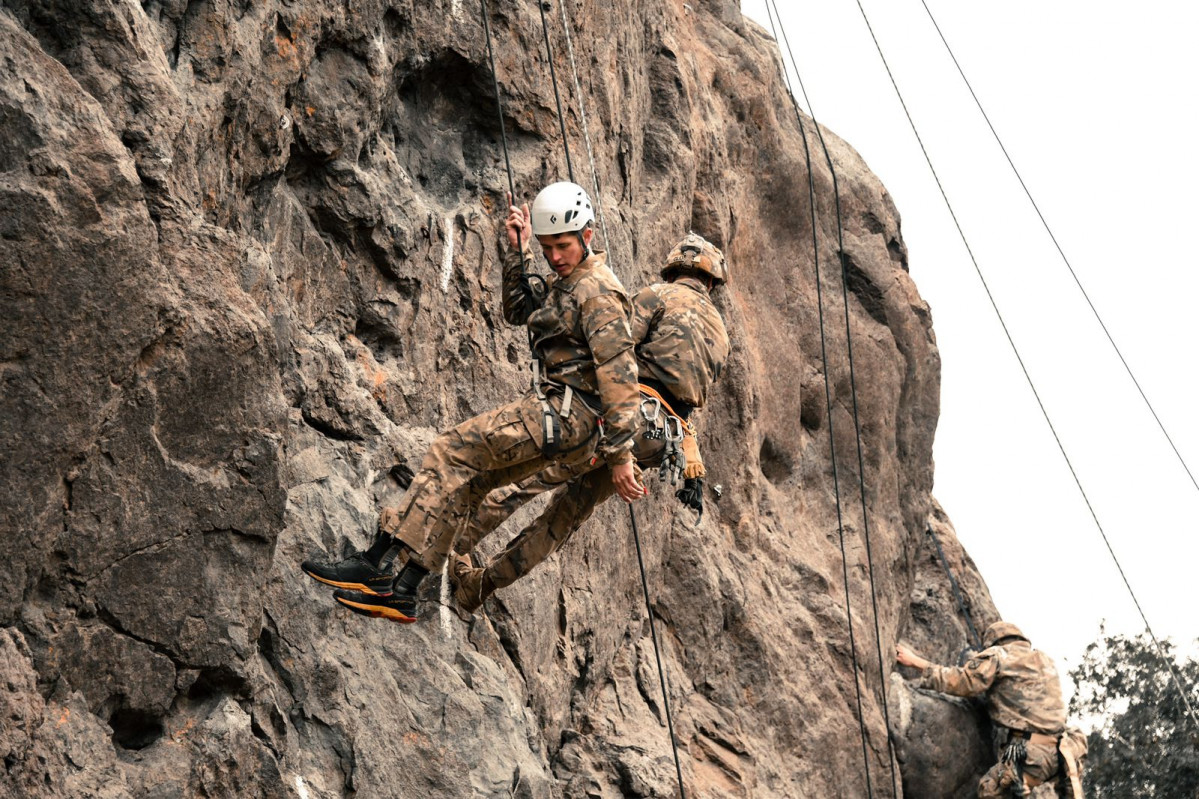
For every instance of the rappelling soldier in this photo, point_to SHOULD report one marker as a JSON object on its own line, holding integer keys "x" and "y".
{"x": 1024, "y": 700}
{"x": 584, "y": 371}
{"x": 682, "y": 346}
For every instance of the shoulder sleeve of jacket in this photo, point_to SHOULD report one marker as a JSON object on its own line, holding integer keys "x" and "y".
{"x": 605, "y": 323}
{"x": 521, "y": 297}
{"x": 647, "y": 306}
{"x": 969, "y": 680}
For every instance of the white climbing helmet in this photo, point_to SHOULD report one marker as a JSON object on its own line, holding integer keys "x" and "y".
{"x": 561, "y": 208}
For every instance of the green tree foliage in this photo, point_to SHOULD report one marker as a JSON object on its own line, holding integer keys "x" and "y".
{"x": 1146, "y": 745}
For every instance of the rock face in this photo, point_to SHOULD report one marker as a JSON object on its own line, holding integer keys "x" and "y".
{"x": 249, "y": 267}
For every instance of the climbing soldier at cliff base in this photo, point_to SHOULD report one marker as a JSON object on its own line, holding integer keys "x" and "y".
{"x": 1024, "y": 700}
{"x": 584, "y": 370}
{"x": 682, "y": 346}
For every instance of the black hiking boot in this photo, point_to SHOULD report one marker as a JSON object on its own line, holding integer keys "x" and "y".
{"x": 354, "y": 573}
{"x": 398, "y": 606}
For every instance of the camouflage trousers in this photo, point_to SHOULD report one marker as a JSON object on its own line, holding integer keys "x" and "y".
{"x": 580, "y": 487}
{"x": 1040, "y": 766}
{"x": 491, "y": 450}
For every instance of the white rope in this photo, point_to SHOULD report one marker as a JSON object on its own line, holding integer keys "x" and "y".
{"x": 599, "y": 210}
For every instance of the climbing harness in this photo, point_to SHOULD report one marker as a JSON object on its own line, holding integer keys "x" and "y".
{"x": 551, "y": 423}
{"x": 1166, "y": 660}
{"x": 668, "y": 427}
{"x": 957, "y": 591}
{"x": 772, "y": 10}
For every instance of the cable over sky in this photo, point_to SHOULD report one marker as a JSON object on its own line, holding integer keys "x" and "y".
{"x": 1094, "y": 112}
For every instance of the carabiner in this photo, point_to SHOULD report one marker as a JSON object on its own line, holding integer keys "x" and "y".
{"x": 654, "y": 403}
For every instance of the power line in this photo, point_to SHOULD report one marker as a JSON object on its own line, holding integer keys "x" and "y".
{"x": 1060, "y": 251}
{"x": 1028, "y": 377}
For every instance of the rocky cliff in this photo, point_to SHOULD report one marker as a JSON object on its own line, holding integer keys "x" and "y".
{"x": 249, "y": 267}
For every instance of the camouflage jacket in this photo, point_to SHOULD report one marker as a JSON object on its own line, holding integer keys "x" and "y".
{"x": 1022, "y": 688}
{"x": 580, "y": 333}
{"x": 683, "y": 343}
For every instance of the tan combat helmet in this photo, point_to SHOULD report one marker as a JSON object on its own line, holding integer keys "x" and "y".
{"x": 1000, "y": 630}
{"x": 697, "y": 253}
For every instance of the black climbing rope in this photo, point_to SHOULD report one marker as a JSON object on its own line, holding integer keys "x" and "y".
{"x": 853, "y": 392}
{"x": 595, "y": 183}
{"x": 511, "y": 187}
{"x": 499, "y": 105}
{"x": 653, "y": 633}
{"x": 1061, "y": 252}
{"x": 828, "y": 401}
{"x": 549, "y": 56}
{"x": 957, "y": 591}
{"x": 1028, "y": 377}
{"x": 527, "y": 279}
{"x": 857, "y": 427}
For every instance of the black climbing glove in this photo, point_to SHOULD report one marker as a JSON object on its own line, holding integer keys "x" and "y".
{"x": 692, "y": 494}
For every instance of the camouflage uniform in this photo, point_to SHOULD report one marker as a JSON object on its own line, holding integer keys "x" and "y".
{"x": 682, "y": 341}
{"x": 1023, "y": 693}
{"x": 682, "y": 347}
{"x": 580, "y": 334}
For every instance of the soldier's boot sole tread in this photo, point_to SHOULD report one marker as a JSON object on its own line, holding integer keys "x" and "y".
{"x": 392, "y": 607}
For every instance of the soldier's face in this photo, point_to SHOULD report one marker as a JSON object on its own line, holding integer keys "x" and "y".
{"x": 563, "y": 251}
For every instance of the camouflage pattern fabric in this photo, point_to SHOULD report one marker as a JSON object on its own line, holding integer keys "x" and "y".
{"x": 464, "y": 464}
{"x": 682, "y": 341}
{"x": 1023, "y": 691}
{"x": 580, "y": 490}
{"x": 569, "y": 508}
{"x": 503, "y": 502}
{"x": 580, "y": 333}
{"x": 684, "y": 345}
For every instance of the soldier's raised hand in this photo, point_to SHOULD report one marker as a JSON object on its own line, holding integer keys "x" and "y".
{"x": 518, "y": 223}
{"x": 907, "y": 657}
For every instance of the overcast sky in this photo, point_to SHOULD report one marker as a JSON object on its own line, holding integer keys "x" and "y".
{"x": 1095, "y": 103}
